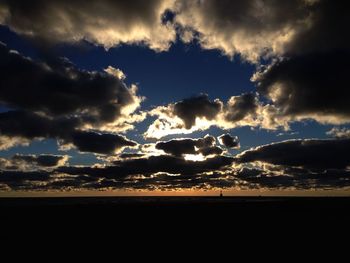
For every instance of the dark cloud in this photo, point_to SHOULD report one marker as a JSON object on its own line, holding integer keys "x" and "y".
{"x": 328, "y": 24}
{"x": 43, "y": 160}
{"x": 179, "y": 147}
{"x": 207, "y": 151}
{"x": 151, "y": 165}
{"x": 104, "y": 22}
{"x": 33, "y": 126}
{"x": 60, "y": 89}
{"x": 311, "y": 85}
{"x": 14, "y": 177}
{"x": 312, "y": 154}
{"x": 157, "y": 182}
{"x": 200, "y": 113}
{"x": 229, "y": 141}
{"x": 57, "y": 100}
{"x": 310, "y": 80}
{"x": 100, "y": 143}
{"x": 238, "y": 107}
{"x": 197, "y": 107}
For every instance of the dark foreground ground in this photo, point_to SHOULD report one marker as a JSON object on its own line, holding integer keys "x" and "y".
{"x": 176, "y": 226}
{"x": 231, "y": 207}
{"x": 176, "y": 214}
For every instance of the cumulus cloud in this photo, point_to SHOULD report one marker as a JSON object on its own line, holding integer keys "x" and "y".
{"x": 57, "y": 100}
{"x": 200, "y": 113}
{"x": 308, "y": 81}
{"x": 229, "y": 141}
{"x": 307, "y": 45}
{"x": 196, "y": 107}
{"x": 184, "y": 117}
{"x": 309, "y": 86}
{"x": 107, "y": 23}
{"x": 307, "y": 153}
{"x": 179, "y": 147}
{"x": 100, "y": 143}
{"x": 57, "y": 88}
{"x": 239, "y": 107}
{"x": 250, "y": 28}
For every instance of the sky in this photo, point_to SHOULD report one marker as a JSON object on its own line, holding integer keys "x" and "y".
{"x": 174, "y": 96}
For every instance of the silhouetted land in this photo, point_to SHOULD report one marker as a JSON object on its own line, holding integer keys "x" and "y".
{"x": 237, "y": 206}
{"x": 174, "y": 215}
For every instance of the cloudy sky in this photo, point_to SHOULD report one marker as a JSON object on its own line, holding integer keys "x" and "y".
{"x": 174, "y": 95}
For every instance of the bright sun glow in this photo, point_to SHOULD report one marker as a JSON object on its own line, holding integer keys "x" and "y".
{"x": 195, "y": 158}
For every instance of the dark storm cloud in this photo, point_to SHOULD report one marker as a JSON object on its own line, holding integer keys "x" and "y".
{"x": 100, "y": 143}
{"x": 151, "y": 165}
{"x": 312, "y": 154}
{"x": 179, "y": 147}
{"x": 309, "y": 85}
{"x": 326, "y": 31}
{"x": 59, "y": 88}
{"x": 239, "y": 107}
{"x": 197, "y": 107}
{"x": 229, "y": 141}
{"x": 43, "y": 160}
{"x": 104, "y": 22}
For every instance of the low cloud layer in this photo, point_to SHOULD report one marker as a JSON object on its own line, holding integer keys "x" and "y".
{"x": 311, "y": 153}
